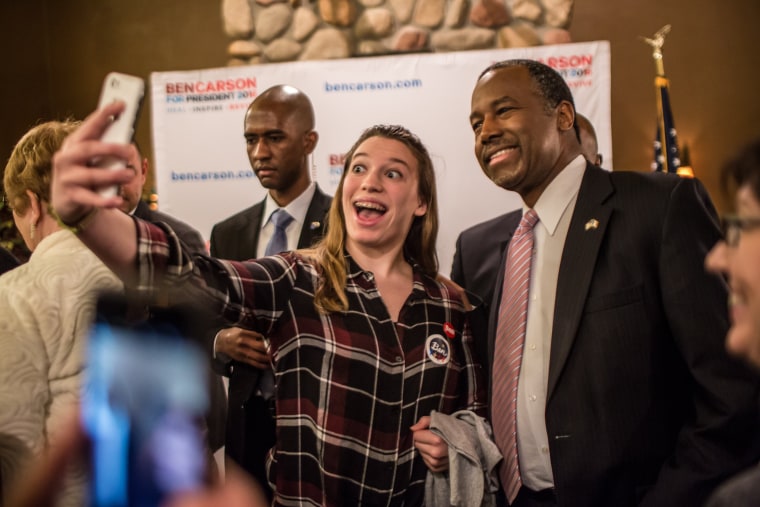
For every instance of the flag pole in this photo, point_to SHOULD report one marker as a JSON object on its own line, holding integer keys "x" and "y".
{"x": 660, "y": 81}
{"x": 668, "y": 146}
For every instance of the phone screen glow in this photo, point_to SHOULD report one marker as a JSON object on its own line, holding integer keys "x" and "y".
{"x": 144, "y": 395}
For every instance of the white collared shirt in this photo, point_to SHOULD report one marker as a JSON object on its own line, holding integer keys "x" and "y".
{"x": 297, "y": 209}
{"x": 555, "y": 209}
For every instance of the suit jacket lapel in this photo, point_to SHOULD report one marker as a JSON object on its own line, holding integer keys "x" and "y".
{"x": 314, "y": 221}
{"x": 249, "y": 239}
{"x": 142, "y": 211}
{"x": 579, "y": 255}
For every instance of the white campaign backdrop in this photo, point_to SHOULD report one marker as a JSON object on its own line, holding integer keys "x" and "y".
{"x": 202, "y": 170}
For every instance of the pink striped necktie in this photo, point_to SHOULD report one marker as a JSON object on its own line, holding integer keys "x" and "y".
{"x": 508, "y": 349}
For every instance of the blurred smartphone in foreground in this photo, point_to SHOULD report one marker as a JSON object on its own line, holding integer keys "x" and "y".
{"x": 144, "y": 397}
{"x": 130, "y": 90}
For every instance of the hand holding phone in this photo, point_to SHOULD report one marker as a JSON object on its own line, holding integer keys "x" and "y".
{"x": 130, "y": 90}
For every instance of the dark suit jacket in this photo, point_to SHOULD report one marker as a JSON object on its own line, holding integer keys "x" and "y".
{"x": 191, "y": 238}
{"x": 236, "y": 238}
{"x": 643, "y": 405}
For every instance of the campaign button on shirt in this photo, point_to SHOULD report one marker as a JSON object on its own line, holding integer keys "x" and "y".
{"x": 438, "y": 349}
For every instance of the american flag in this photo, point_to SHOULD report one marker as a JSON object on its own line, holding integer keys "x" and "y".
{"x": 666, "y": 156}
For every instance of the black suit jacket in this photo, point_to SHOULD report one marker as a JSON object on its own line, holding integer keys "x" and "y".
{"x": 190, "y": 237}
{"x": 643, "y": 404}
{"x": 236, "y": 238}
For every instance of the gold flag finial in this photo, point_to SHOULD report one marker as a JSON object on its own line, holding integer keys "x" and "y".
{"x": 657, "y": 41}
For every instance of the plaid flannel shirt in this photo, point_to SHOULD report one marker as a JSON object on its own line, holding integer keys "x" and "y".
{"x": 348, "y": 384}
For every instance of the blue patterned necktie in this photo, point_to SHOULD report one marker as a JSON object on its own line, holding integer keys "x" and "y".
{"x": 279, "y": 240}
{"x": 277, "y": 243}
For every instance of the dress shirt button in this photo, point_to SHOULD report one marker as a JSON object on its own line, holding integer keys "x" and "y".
{"x": 533, "y": 347}
{"x": 544, "y": 449}
{"x": 533, "y": 397}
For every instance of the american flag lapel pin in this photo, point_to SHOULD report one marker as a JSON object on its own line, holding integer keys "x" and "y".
{"x": 592, "y": 224}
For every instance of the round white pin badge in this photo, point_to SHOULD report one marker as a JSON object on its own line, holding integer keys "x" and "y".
{"x": 438, "y": 349}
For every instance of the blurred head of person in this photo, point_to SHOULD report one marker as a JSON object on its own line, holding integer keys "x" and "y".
{"x": 131, "y": 191}
{"x": 587, "y": 138}
{"x": 738, "y": 255}
{"x": 27, "y": 180}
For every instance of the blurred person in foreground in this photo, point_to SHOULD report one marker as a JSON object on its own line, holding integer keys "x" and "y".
{"x": 40, "y": 484}
{"x": 46, "y": 308}
{"x": 738, "y": 258}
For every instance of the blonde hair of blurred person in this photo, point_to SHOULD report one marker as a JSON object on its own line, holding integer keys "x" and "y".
{"x": 46, "y": 307}
{"x": 27, "y": 180}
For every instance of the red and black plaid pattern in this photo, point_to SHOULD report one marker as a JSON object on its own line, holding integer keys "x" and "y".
{"x": 349, "y": 384}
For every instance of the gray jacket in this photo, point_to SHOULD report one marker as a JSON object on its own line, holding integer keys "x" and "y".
{"x": 471, "y": 480}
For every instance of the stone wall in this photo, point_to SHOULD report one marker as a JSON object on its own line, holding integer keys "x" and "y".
{"x": 287, "y": 30}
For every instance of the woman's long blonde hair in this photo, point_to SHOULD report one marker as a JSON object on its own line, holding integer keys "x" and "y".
{"x": 419, "y": 246}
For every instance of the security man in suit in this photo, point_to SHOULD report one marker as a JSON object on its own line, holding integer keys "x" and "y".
{"x": 616, "y": 388}
{"x": 280, "y": 136}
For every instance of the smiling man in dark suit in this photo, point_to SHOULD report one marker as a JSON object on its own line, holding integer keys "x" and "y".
{"x": 280, "y": 137}
{"x": 622, "y": 391}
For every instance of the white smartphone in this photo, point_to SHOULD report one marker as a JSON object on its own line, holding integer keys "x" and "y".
{"x": 130, "y": 90}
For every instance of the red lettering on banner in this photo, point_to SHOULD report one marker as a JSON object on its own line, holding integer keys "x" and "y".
{"x": 567, "y": 62}
{"x": 220, "y": 85}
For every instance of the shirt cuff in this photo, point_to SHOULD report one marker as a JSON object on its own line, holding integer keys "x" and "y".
{"x": 221, "y": 358}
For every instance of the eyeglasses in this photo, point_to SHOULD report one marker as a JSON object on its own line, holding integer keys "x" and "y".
{"x": 734, "y": 225}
